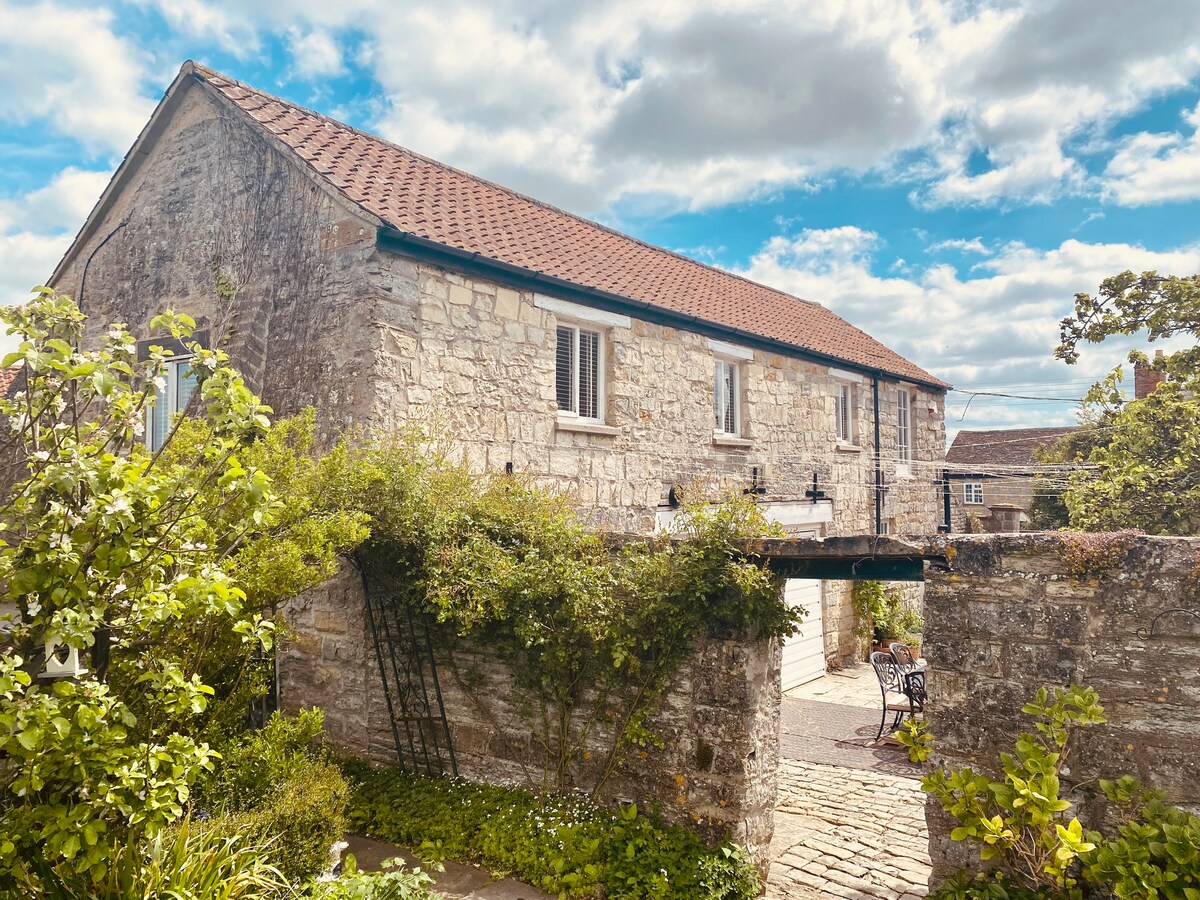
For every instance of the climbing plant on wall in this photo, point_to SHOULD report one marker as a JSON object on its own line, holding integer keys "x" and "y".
{"x": 593, "y": 632}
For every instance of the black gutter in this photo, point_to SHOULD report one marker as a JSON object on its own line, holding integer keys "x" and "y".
{"x": 520, "y": 278}
{"x": 878, "y": 460}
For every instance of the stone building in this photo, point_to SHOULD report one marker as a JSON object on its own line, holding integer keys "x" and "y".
{"x": 381, "y": 287}
{"x": 990, "y": 476}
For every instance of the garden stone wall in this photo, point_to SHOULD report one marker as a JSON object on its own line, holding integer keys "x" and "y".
{"x": 1014, "y": 613}
{"x": 719, "y": 720}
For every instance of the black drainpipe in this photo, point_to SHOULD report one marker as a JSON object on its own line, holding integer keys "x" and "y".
{"x": 878, "y": 461}
{"x": 946, "y": 524}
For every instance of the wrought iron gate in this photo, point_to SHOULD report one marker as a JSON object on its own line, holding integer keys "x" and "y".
{"x": 410, "y": 681}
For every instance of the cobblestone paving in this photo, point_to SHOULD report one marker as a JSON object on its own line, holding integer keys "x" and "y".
{"x": 846, "y": 833}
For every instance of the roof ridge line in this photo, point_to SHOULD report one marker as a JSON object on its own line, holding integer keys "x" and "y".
{"x": 206, "y": 72}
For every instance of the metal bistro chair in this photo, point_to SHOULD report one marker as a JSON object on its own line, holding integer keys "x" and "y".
{"x": 903, "y": 692}
{"x": 904, "y": 658}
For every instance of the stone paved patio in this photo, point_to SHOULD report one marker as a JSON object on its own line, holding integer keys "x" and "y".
{"x": 850, "y": 819}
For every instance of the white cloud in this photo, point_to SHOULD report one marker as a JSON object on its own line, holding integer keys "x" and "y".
{"x": 997, "y": 329}
{"x": 687, "y": 105}
{"x": 36, "y": 228}
{"x": 1156, "y": 168}
{"x": 62, "y": 204}
{"x": 962, "y": 245}
{"x": 90, "y": 91}
{"x": 315, "y": 54}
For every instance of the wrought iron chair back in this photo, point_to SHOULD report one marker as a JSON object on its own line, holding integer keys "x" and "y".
{"x": 902, "y": 691}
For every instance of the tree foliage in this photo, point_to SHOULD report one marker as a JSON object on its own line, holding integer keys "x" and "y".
{"x": 1139, "y": 465}
{"x": 131, "y": 558}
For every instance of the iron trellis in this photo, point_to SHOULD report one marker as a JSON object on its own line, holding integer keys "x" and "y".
{"x": 415, "y": 710}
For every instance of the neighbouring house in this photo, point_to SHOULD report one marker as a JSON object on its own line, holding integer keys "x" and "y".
{"x": 990, "y": 476}
{"x": 383, "y": 288}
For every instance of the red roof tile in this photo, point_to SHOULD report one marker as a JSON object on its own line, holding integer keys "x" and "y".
{"x": 428, "y": 199}
{"x": 1004, "y": 447}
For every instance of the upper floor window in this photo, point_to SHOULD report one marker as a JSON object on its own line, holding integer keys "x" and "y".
{"x": 904, "y": 429}
{"x": 973, "y": 492}
{"x": 178, "y": 385}
{"x": 579, "y": 371}
{"x": 726, "y": 397}
{"x": 843, "y": 411}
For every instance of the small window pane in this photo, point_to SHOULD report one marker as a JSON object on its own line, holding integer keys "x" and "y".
{"x": 842, "y": 413}
{"x": 589, "y": 374}
{"x": 564, "y": 368}
{"x": 185, "y": 384}
{"x": 904, "y": 430}
{"x": 725, "y": 397}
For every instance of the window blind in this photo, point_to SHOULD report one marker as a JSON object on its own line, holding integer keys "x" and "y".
{"x": 564, "y": 368}
{"x": 589, "y": 374}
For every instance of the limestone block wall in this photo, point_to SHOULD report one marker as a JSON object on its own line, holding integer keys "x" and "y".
{"x": 217, "y": 224}
{"x": 719, "y": 720}
{"x": 1015, "y": 613}
{"x": 476, "y": 357}
{"x": 479, "y": 359}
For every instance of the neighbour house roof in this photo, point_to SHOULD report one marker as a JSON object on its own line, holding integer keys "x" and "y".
{"x": 1009, "y": 448}
{"x": 427, "y": 200}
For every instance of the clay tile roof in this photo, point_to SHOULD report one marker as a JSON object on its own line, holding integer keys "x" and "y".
{"x": 1006, "y": 447}
{"x": 428, "y": 199}
{"x": 8, "y": 376}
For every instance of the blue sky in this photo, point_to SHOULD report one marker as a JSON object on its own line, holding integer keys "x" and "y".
{"x": 946, "y": 175}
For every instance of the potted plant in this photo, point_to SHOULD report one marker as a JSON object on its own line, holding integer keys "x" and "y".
{"x": 884, "y": 618}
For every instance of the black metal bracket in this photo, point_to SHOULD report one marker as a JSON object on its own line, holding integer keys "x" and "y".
{"x": 1150, "y": 633}
{"x": 814, "y": 494}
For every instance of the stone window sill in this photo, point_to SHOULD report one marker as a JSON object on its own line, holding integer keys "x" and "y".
{"x": 847, "y": 448}
{"x": 582, "y": 426}
{"x": 720, "y": 439}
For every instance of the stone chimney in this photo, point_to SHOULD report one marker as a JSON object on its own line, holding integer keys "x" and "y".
{"x": 1145, "y": 379}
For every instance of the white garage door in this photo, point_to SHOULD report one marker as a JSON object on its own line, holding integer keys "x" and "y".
{"x": 804, "y": 651}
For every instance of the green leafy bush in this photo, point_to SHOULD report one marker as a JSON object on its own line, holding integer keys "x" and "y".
{"x": 1021, "y": 824}
{"x": 189, "y": 861}
{"x": 394, "y": 883}
{"x": 271, "y": 782}
{"x": 1036, "y": 849}
{"x": 1155, "y": 854}
{"x": 563, "y": 844}
{"x": 987, "y": 886}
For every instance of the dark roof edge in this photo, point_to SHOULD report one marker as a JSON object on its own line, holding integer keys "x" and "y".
{"x": 528, "y": 279}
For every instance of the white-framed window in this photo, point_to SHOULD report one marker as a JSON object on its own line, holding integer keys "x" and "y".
{"x": 727, "y": 405}
{"x": 843, "y": 412}
{"x": 579, "y": 372}
{"x": 904, "y": 432}
{"x": 973, "y": 492}
{"x": 178, "y": 386}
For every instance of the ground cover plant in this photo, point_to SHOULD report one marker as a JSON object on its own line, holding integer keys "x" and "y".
{"x": 564, "y": 843}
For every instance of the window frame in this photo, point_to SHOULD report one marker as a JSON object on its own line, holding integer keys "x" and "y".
{"x": 972, "y": 489}
{"x": 843, "y": 412}
{"x": 175, "y": 367}
{"x": 734, "y": 396}
{"x": 904, "y": 431}
{"x": 572, "y": 412}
